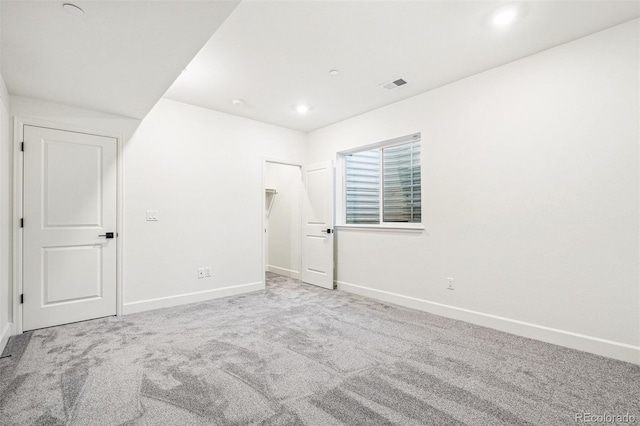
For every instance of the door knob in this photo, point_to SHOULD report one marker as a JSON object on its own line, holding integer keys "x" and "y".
{"x": 107, "y": 235}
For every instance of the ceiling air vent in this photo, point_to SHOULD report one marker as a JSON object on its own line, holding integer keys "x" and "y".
{"x": 390, "y": 85}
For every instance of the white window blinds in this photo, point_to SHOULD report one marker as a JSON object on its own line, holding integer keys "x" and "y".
{"x": 402, "y": 189}
{"x": 383, "y": 185}
{"x": 363, "y": 187}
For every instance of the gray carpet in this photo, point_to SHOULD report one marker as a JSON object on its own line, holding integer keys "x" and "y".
{"x": 295, "y": 354}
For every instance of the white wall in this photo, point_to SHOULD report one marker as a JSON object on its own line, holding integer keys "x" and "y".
{"x": 5, "y": 217}
{"x": 202, "y": 171}
{"x": 530, "y": 192}
{"x": 284, "y": 220}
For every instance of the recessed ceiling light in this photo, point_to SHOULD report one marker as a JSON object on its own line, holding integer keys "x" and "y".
{"x": 302, "y": 109}
{"x": 334, "y": 72}
{"x": 238, "y": 103}
{"x": 504, "y": 16}
{"x": 73, "y": 9}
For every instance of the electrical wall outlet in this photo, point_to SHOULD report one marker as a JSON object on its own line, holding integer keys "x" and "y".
{"x": 207, "y": 271}
{"x": 450, "y": 284}
{"x": 201, "y": 273}
{"x": 152, "y": 215}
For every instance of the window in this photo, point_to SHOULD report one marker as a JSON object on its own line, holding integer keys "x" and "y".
{"x": 382, "y": 184}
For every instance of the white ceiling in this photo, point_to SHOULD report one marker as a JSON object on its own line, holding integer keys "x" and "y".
{"x": 120, "y": 57}
{"x": 274, "y": 55}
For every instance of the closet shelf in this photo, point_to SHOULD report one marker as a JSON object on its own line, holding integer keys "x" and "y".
{"x": 270, "y": 196}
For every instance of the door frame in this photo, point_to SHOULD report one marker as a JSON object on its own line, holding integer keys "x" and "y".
{"x": 18, "y": 188}
{"x": 263, "y": 221}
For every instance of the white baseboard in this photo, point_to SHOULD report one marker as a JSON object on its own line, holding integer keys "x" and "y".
{"x": 608, "y": 348}
{"x": 282, "y": 271}
{"x": 4, "y": 337}
{"x": 183, "y": 299}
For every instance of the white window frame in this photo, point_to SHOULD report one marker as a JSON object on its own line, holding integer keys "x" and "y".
{"x": 341, "y": 205}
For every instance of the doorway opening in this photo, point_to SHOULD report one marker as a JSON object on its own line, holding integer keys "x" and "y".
{"x": 282, "y": 221}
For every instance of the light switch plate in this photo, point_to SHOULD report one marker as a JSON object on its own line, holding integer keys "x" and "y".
{"x": 152, "y": 215}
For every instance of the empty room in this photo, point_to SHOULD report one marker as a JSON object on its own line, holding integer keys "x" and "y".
{"x": 319, "y": 212}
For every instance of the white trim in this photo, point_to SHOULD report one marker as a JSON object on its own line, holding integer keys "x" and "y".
{"x": 4, "y": 337}
{"x": 339, "y": 191}
{"x": 17, "y": 230}
{"x": 280, "y": 161}
{"x": 120, "y": 225}
{"x": 283, "y": 271}
{"x": 183, "y": 299}
{"x": 389, "y": 142}
{"x": 385, "y": 227}
{"x": 7, "y": 303}
{"x": 263, "y": 218}
{"x": 607, "y": 348}
{"x": 18, "y": 182}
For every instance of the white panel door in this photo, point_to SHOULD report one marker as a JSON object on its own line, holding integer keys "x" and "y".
{"x": 317, "y": 224}
{"x": 69, "y": 209}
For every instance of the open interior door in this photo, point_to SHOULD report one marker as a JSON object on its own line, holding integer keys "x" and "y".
{"x": 317, "y": 224}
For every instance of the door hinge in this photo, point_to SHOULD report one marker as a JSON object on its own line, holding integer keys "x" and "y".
{"x": 22, "y": 298}
{"x": 22, "y": 146}
{"x": 22, "y": 223}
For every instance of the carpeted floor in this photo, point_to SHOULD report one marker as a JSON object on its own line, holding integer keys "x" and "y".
{"x": 295, "y": 354}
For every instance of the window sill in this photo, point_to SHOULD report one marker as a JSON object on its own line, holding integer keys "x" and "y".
{"x": 386, "y": 227}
